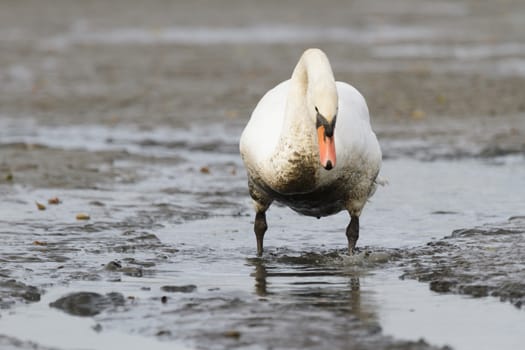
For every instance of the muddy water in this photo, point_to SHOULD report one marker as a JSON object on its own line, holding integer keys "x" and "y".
{"x": 170, "y": 256}
{"x": 132, "y": 117}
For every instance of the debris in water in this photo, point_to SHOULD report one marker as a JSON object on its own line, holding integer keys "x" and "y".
{"x": 205, "y": 170}
{"x": 53, "y": 201}
{"x": 9, "y": 177}
{"x": 83, "y": 216}
{"x": 232, "y": 334}
{"x": 163, "y": 332}
{"x": 418, "y": 114}
{"x": 164, "y": 299}
{"x": 40, "y": 243}
{"x": 441, "y": 99}
{"x": 40, "y": 206}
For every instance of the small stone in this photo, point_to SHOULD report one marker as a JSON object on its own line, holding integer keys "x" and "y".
{"x": 441, "y": 99}
{"x": 179, "y": 289}
{"x": 40, "y": 206}
{"x": 88, "y": 303}
{"x": 31, "y": 294}
{"x": 232, "y": 334}
{"x": 83, "y": 216}
{"x": 53, "y": 201}
{"x": 418, "y": 114}
{"x": 163, "y": 332}
{"x": 113, "y": 266}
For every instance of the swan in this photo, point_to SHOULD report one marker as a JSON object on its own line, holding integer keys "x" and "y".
{"x": 309, "y": 145}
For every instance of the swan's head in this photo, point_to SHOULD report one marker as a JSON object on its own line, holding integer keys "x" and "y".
{"x": 316, "y": 79}
{"x": 324, "y": 109}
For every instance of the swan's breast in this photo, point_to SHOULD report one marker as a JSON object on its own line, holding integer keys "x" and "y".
{"x": 292, "y": 171}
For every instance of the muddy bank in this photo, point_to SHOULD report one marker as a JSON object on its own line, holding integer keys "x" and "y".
{"x": 479, "y": 262}
{"x": 9, "y": 343}
{"x": 131, "y": 116}
{"x": 486, "y": 138}
{"x": 44, "y": 167}
{"x": 178, "y": 63}
{"x": 185, "y": 219}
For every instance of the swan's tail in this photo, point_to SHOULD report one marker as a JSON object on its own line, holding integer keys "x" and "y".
{"x": 378, "y": 181}
{"x": 381, "y": 181}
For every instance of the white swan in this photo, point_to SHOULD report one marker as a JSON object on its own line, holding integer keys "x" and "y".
{"x": 309, "y": 145}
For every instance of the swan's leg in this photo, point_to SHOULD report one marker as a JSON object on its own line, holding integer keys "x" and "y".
{"x": 260, "y": 228}
{"x": 261, "y": 202}
{"x": 352, "y": 233}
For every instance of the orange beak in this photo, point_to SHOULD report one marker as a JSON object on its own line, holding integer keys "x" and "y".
{"x": 326, "y": 149}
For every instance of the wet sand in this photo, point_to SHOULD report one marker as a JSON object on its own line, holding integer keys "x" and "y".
{"x": 131, "y": 114}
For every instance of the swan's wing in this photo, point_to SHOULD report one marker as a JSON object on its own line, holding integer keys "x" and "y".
{"x": 355, "y": 139}
{"x": 352, "y": 103}
{"x": 261, "y": 135}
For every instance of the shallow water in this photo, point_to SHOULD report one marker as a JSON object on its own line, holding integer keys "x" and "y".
{"x": 186, "y": 220}
{"x": 133, "y": 117}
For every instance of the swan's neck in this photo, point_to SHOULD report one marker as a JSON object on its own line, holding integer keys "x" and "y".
{"x": 312, "y": 76}
{"x": 296, "y": 160}
{"x": 312, "y": 79}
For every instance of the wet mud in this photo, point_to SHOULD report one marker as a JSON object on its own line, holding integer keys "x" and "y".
{"x": 13, "y": 290}
{"x": 88, "y": 303}
{"x": 125, "y": 218}
{"x": 9, "y": 343}
{"x": 479, "y": 262}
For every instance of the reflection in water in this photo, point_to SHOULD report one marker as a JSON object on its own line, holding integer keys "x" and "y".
{"x": 260, "y": 275}
{"x": 360, "y": 308}
{"x": 315, "y": 281}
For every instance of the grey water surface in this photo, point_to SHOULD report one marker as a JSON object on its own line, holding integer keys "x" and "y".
{"x": 125, "y": 220}
{"x": 176, "y": 248}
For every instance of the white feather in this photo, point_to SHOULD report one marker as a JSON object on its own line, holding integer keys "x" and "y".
{"x": 281, "y": 125}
